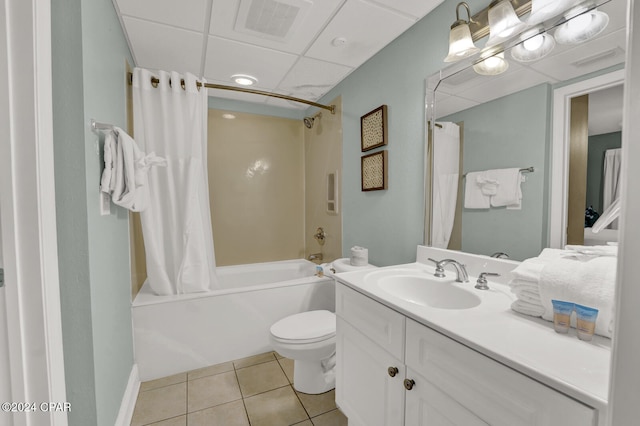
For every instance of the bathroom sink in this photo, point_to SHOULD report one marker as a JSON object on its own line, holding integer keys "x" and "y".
{"x": 426, "y": 291}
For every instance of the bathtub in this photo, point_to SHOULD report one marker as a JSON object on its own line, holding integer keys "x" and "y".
{"x": 178, "y": 333}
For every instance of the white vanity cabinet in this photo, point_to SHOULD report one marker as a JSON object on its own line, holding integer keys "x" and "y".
{"x": 447, "y": 382}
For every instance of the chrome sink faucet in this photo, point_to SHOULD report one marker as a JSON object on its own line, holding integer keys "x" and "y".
{"x": 461, "y": 270}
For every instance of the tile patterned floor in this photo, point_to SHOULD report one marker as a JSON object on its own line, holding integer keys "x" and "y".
{"x": 254, "y": 391}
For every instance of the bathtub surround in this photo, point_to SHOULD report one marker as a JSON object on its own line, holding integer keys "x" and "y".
{"x": 172, "y": 123}
{"x": 89, "y": 52}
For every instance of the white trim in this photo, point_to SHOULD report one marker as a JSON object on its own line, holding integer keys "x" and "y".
{"x": 129, "y": 398}
{"x": 560, "y": 149}
{"x": 28, "y": 214}
{"x": 624, "y": 392}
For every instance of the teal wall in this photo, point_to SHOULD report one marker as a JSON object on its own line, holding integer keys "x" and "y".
{"x": 512, "y": 131}
{"x": 390, "y": 223}
{"x": 89, "y": 53}
{"x": 598, "y": 144}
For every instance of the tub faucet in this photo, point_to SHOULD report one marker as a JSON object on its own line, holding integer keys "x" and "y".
{"x": 315, "y": 256}
{"x": 461, "y": 270}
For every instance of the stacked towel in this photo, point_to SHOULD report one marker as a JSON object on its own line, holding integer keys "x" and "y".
{"x": 508, "y": 191}
{"x": 579, "y": 274}
{"x": 124, "y": 176}
{"x": 497, "y": 188}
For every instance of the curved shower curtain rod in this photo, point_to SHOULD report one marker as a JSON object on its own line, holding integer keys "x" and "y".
{"x": 331, "y": 108}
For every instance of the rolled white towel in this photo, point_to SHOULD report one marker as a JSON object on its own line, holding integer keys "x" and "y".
{"x": 359, "y": 256}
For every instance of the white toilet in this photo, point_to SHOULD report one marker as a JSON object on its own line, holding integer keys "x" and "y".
{"x": 309, "y": 338}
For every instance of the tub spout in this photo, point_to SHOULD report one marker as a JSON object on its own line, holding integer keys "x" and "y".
{"x": 315, "y": 256}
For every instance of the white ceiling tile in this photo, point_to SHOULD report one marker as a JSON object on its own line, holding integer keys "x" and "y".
{"x": 311, "y": 78}
{"x": 366, "y": 27}
{"x": 158, "y": 46}
{"x": 226, "y": 57}
{"x": 417, "y": 8}
{"x": 452, "y": 104}
{"x": 225, "y": 23}
{"x": 562, "y": 65}
{"x": 229, "y": 94}
{"x": 188, "y": 14}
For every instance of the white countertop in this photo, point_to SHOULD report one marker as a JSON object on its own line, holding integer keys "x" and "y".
{"x": 530, "y": 345}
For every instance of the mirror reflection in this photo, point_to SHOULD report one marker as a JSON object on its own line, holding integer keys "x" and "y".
{"x": 497, "y": 131}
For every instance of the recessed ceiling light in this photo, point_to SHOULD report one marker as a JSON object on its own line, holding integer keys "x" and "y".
{"x": 244, "y": 79}
{"x": 339, "y": 41}
{"x": 228, "y": 116}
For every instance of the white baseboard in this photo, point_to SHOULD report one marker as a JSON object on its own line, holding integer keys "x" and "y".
{"x": 129, "y": 398}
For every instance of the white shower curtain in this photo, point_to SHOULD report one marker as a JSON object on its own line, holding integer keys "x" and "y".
{"x": 446, "y": 165}
{"x": 611, "y": 180}
{"x": 171, "y": 121}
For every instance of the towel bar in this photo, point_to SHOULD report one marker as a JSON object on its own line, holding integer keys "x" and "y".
{"x": 525, "y": 170}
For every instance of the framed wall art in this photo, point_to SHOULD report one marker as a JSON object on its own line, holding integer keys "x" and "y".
{"x": 373, "y": 128}
{"x": 374, "y": 171}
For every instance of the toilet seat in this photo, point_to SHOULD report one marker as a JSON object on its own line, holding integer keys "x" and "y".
{"x": 305, "y": 327}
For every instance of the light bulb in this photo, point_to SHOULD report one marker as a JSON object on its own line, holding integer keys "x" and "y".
{"x": 533, "y": 43}
{"x": 580, "y": 22}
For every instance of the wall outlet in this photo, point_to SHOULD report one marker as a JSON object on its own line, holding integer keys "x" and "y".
{"x": 105, "y": 204}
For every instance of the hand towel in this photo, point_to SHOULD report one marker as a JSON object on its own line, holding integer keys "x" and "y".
{"x": 589, "y": 283}
{"x": 107, "y": 182}
{"x": 131, "y": 188}
{"x": 474, "y": 198}
{"x": 509, "y": 192}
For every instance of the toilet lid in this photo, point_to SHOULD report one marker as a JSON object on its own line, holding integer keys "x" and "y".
{"x": 307, "y": 326}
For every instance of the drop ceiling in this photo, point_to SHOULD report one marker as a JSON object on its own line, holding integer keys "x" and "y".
{"x": 300, "y": 48}
{"x": 467, "y": 89}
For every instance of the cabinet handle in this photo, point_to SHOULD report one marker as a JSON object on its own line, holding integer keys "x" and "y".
{"x": 392, "y": 371}
{"x": 408, "y": 384}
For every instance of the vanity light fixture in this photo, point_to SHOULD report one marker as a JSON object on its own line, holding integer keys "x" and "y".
{"x": 460, "y": 42}
{"x": 534, "y": 46}
{"x": 244, "y": 79}
{"x": 542, "y": 10}
{"x": 492, "y": 65}
{"x": 581, "y": 26}
{"x": 503, "y": 22}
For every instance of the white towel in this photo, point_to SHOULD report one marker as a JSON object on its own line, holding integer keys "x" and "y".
{"x": 527, "y": 308}
{"x": 509, "y": 193}
{"x": 590, "y": 283}
{"x": 474, "y": 198}
{"x": 359, "y": 256}
{"x": 126, "y": 178}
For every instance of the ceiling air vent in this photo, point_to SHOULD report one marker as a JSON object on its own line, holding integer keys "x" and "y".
{"x": 274, "y": 19}
{"x": 607, "y": 55}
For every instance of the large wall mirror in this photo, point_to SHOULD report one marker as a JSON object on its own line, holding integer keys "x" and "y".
{"x": 555, "y": 122}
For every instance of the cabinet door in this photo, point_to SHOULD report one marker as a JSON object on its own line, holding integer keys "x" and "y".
{"x": 365, "y": 392}
{"x": 427, "y": 405}
{"x": 492, "y": 391}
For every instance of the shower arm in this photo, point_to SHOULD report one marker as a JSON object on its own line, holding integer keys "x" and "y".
{"x": 331, "y": 108}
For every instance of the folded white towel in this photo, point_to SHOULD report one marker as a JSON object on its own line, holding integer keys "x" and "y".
{"x": 527, "y": 308}
{"x": 107, "y": 184}
{"x": 590, "y": 283}
{"x": 531, "y": 296}
{"x": 509, "y": 192}
{"x": 474, "y": 198}
{"x": 591, "y": 250}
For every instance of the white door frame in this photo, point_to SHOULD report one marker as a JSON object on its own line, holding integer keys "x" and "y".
{"x": 27, "y": 200}
{"x": 560, "y": 149}
{"x": 624, "y": 392}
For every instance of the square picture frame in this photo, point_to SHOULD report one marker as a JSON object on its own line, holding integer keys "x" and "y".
{"x": 373, "y": 129}
{"x": 373, "y": 171}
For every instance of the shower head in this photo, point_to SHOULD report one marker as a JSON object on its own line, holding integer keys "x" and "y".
{"x": 308, "y": 121}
